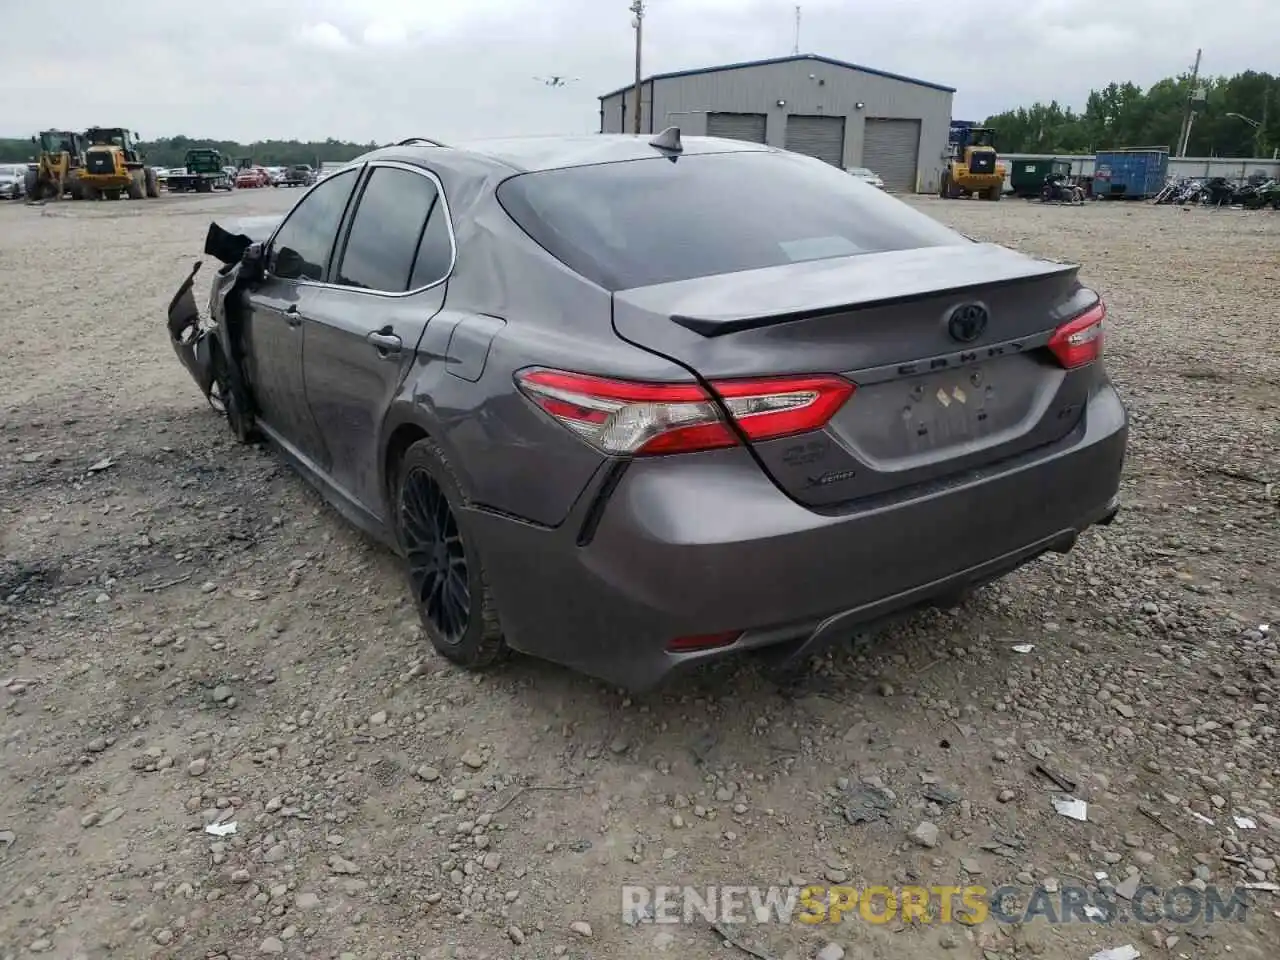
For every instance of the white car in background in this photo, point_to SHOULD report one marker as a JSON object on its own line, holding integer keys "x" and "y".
{"x": 866, "y": 176}
{"x": 13, "y": 180}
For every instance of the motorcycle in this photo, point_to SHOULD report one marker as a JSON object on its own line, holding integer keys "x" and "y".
{"x": 1057, "y": 189}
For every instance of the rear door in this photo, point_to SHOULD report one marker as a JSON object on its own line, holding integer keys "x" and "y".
{"x": 756, "y": 265}
{"x": 298, "y": 256}
{"x": 387, "y": 281}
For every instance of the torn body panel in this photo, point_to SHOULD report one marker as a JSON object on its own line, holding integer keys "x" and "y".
{"x": 210, "y": 349}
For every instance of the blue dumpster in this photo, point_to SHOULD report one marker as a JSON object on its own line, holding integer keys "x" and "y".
{"x": 1130, "y": 174}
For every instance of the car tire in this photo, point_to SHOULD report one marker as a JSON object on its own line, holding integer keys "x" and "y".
{"x": 239, "y": 419}
{"x": 446, "y": 574}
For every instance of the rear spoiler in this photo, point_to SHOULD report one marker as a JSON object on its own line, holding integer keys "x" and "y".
{"x": 879, "y": 278}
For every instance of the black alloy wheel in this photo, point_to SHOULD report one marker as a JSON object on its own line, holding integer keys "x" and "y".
{"x": 446, "y": 570}
{"x": 437, "y": 558}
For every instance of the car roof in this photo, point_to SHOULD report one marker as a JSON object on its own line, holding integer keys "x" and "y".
{"x": 530, "y": 154}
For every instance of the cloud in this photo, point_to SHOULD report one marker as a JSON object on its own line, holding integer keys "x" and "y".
{"x": 324, "y": 35}
{"x": 459, "y": 69}
{"x": 385, "y": 33}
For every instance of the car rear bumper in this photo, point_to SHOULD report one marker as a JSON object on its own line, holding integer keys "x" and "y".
{"x": 703, "y": 544}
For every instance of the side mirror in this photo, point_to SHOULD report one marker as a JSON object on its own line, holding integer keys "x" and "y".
{"x": 253, "y": 262}
{"x": 33, "y": 139}
{"x": 289, "y": 264}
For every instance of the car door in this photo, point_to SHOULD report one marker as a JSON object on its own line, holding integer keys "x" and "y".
{"x": 387, "y": 281}
{"x": 297, "y": 258}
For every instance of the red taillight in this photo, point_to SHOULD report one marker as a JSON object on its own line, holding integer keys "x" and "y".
{"x": 644, "y": 419}
{"x": 705, "y": 641}
{"x": 1079, "y": 341}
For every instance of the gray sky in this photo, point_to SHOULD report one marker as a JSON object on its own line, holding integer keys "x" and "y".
{"x": 455, "y": 69}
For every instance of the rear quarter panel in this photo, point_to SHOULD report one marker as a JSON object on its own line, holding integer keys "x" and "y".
{"x": 510, "y": 305}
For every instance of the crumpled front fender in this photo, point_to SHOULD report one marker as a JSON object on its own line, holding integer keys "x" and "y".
{"x": 193, "y": 343}
{"x": 209, "y": 350}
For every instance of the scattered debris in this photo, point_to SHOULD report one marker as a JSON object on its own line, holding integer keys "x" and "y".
{"x": 1246, "y": 823}
{"x": 738, "y": 944}
{"x": 867, "y": 804}
{"x": 1023, "y": 647}
{"x": 101, "y": 465}
{"x": 1062, "y": 781}
{"x": 220, "y": 829}
{"x": 1127, "y": 952}
{"x": 1071, "y": 807}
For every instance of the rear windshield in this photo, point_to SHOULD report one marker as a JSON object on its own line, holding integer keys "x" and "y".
{"x": 641, "y": 222}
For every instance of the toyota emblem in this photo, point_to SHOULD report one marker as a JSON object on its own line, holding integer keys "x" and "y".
{"x": 968, "y": 322}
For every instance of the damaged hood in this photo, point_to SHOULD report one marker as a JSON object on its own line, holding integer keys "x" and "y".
{"x": 228, "y": 240}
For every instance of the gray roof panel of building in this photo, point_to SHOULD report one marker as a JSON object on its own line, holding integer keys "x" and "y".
{"x": 764, "y": 63}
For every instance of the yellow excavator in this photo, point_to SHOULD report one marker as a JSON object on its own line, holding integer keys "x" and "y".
{"x": 115, "y": 167}
{"x": 59, "y": 162}
{"x": 972, "y": 165}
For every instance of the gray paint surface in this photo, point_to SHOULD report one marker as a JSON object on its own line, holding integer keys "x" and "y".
{"x": 578, "y": 545}
{"x": 808, "y": 86}
{"x": 748, "y": 127}
{"x": 892, "y": 149}
{"x": 817, "y": 136}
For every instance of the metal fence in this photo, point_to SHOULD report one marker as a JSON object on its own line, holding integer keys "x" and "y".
{"x": 1233, "y": 168}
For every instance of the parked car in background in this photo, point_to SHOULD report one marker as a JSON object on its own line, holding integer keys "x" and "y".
{"x": 275, "y": 175}
{"x": 13, "y": 181}
{"x": 299, "y": 175}
{"x": 252, "y": 177}
{"x": 866, "y": 176}
{"x": 630, "y": 414}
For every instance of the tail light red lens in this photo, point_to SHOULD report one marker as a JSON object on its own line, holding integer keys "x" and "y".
{"x": 1079, "y": 341}
{"x": 706, "y": 641}
{"x": 625, "y": 417}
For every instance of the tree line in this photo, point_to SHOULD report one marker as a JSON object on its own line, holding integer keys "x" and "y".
{"x": 1124, "y": 115}
{"x": 171, "y": 151}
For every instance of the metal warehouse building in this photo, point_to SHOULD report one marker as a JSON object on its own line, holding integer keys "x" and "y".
{"x": 847, "y": 115}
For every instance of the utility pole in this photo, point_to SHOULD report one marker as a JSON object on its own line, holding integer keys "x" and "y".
{"x": 1188, "y": 115}
{"x": 795, "y": 49}
{"x": 637, "y": 21}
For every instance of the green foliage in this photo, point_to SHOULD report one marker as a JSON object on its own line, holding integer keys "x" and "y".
{"x": 1124, "y": 115}
{"x": 171, "y": 151}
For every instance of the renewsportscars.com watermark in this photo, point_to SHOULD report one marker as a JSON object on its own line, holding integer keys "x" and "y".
{"x": 968, "y": 905}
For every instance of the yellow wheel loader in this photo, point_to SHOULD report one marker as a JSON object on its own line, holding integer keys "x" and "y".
{"x": 59, "y": 162}
{"x": 115, "y": 167}
{"x": 972, "y": 166}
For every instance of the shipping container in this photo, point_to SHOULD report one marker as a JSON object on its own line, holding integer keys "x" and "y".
{"x": 1027, "y": 176}
{"x": 1130, "y": 174}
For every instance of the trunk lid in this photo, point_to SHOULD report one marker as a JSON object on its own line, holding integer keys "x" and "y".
{"x": 937, "y": 393}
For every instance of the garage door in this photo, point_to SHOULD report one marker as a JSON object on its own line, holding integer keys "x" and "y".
{"x": 821, "y": 137}
{"x": 737, "y": 126}
{"x": 892, "y": 149}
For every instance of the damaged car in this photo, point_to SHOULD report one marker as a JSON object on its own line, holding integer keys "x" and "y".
{"x": 635, "y": 404}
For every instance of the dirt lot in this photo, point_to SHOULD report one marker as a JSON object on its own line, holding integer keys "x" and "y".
{"x": 191, "y": 637}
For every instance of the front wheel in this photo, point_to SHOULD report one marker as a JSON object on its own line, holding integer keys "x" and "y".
{"x": 446, "y": 574}
{"x": 230, "y": 400}
{"x": 151, "y": 183}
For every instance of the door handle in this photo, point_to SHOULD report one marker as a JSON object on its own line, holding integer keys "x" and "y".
{"x": 292, "y": 316}
{"x": 386, "y": 343}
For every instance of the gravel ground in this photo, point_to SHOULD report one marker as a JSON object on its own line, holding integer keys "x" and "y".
{"x": 191, "y": 637}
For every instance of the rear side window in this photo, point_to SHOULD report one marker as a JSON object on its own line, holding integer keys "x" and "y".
{"x": 641, "y": 222}
{"x": 387, "y": 231}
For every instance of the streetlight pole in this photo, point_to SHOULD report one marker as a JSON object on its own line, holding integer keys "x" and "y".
{"x": 1257, "y": 131}
{"x": 637, "y": 21}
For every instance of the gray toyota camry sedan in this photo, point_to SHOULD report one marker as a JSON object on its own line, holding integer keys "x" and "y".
{"x": 632, "y": 403}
